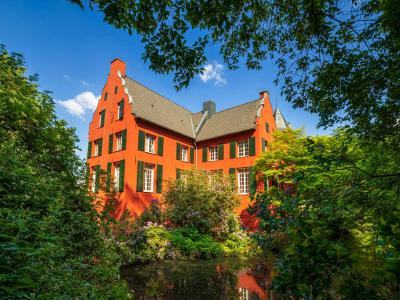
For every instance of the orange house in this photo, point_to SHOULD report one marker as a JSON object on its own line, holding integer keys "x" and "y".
{"x": 141, "y": 139}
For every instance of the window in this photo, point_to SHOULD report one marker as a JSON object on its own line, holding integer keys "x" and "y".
{"x": 120, "y": 110}
{"x": 116, "y": 176}
{"x": 149, "y": 144}
{"x": 243, "y": 181}
{"x": 243, "y": 148}
{"x": 102, "y": 117}
{"x": 115, "y": 90}
{"x": 266, "y": 127}
{"x": 97, "y": 148}
{"x": 148, "y": 178}
{"x": 93, "y": 180}
{"x": 184, "y": 153}
{"x": 105, "y": 96}
{"x": 119, "y": 141}
{"x": 214, "y": 153}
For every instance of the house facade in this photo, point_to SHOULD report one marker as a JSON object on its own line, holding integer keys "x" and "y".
{"x": 141, "y": 139}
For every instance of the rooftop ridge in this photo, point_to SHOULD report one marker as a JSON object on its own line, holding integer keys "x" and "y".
{"x": 181, "y": 106}
{"x": 229, "y": 108}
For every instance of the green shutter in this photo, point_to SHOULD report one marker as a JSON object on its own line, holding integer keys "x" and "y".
{"x": 178, "y": 174}
{"x": 232, "y": 150}
{"x": 121, "y": 175}
{"x": 252, "y": 146}
{"x": 178, "y": 151}
{"x": 191, "y": 155}
{"x": 252, "y": 181}
{"x": 160, "y": 146}
{"x": 141, "y": 141}
{"x": 97, "y": 179}
{"x": 139, "y": 176}
{"x": 205, "y": 154}
{"x": 108, "y": 178}
{"x": 102, "y": 117}
{"x": 124, "y": 139}
{"x": 159, "y": 179}
{"x": 87, "y": 175}
{"x": 221, "y": 151}
{"x": 110, "y": 143}
{"x": 100, "y": 146}
{"x": 232, "y": 171}
{"x": 89, "y": 150}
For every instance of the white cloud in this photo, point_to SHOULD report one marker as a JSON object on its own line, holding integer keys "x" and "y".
{"x": 214, "y": 72}
{"x": 66, "y": 76}
{"x": 85, "y": 83}
{"x": 80, "y": 104}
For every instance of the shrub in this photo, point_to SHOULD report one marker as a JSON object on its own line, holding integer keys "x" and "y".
{"x": 203, "y": 200}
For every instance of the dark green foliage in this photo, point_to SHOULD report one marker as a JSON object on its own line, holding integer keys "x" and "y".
{"x": 335, "y": 219}
{"x": 52, "y": 246}
{"x": 191, "y": 243}
{"x": 339, "y": 60}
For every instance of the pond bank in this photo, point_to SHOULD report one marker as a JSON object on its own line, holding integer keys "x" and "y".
{"x": 221, "y": 278}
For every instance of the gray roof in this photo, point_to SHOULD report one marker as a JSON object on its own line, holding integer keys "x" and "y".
{"x": 232, "y": 120}
{"x": 280, "y": 121}
{"x": 152, "y": 107}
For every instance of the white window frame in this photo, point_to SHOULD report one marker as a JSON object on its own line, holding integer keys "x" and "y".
{"x": 243, "y": 178}
{"x": 93, "y": 180}
{"x": 119, "y": 111}
{"x": 243, "y": 148}
{"x": 116, "y": 176}
{"x": 96, "y": 148}
{"x": 213, "y": 153}
{"x": 149, "y": 142}
{"x": 148, "y": 178}
{"x": 184, "y": 153}
{"x": 119, "y": 141}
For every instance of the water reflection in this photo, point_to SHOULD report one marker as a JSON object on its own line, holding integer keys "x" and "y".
{"x": 229, "y": 278}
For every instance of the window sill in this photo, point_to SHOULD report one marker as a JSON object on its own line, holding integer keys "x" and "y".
{"x": 149, "y": 192}
{"x": 149, "y": 152}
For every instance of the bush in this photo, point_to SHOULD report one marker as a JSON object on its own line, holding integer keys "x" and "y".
{"x": 192, "y": 243}
{"x": 53, "y": 245}
{"x": 205, "y": 201}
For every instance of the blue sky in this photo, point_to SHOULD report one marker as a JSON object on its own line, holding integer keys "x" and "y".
{"x": 71, "y": 51}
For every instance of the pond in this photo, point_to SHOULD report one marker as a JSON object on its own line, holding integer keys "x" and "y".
{"x": 227, "y": 278}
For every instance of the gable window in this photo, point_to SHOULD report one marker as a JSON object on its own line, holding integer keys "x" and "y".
{"x": 116, "y": 89}
{"x": 105, "y": 96}
{"x": 93, "y": 180}
{"x": 184, "y": 153}
{"x": 243, "y": 148}
{"x": 266, "y": 127}
{"x": 116, "y": 176}
{"x": 243, "y": 181}
{"x": 149, "y": 143}
{"x": 102, "y": 117}
{"x": 120, "y": 109}
{"x": 213, "y": 153}
{"x": 148, "y": 178}
{"x": 119, "y": 141}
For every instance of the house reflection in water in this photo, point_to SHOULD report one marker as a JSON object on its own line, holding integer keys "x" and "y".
{"x": 249, "y": 289}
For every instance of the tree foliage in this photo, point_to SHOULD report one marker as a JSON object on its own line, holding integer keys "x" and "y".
{"x": 338, "y": 59}
{"x": 51, "y": 244}
{"x": 341, "y": 222}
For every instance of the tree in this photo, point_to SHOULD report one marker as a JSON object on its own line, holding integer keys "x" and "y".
{"x": 338, "y": 59}
{"x": 342, "y": 222}
{"x": 52, "y": 241}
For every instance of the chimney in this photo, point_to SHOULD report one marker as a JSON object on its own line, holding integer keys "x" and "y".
{"x": 118, "y": 65}
{"x": 263, "y": 93}
{"x": 210, "y": 108}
